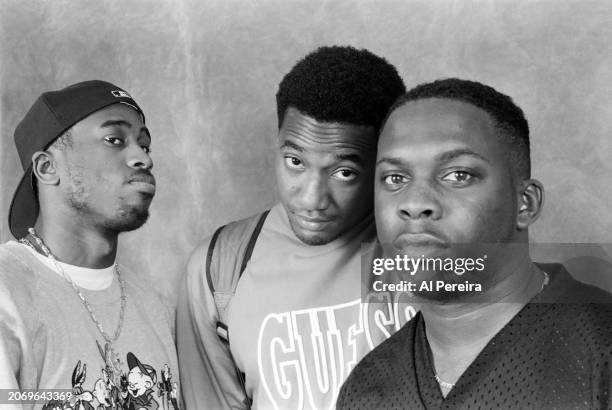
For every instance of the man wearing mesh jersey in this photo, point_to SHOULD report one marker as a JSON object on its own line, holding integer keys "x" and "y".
{"x": 453, "y": 180}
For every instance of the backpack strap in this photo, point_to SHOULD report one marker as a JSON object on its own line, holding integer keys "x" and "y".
{"x": 249, "y": 250}
{"x": 223, "y": 297}
{"x": 209, "y": 254}
{"x": 213, "y": 280}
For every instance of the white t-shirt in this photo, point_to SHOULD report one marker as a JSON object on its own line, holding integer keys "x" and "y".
{"x": 86, "y": 278}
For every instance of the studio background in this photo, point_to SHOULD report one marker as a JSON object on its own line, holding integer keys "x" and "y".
{"x": 206, "y": 74}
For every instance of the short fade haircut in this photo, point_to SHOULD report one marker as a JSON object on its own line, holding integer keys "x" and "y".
{"x": 340, "y": 84}
{"x": 63, "y": 142}
{"x": 508, "y": 117}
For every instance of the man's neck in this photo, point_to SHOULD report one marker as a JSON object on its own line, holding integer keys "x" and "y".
{"x": 76, "y": 244}
{"x": 458, "y": 332}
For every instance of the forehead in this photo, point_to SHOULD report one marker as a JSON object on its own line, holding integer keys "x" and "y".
{"x": 313, "y": 135}
{"x": 438, "y": 124}
{"x": 112, "y": 112}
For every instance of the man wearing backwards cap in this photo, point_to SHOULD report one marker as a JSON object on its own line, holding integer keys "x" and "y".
{"x": 64, "y": 300}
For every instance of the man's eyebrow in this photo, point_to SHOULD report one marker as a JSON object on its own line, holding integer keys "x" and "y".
{"x": 450, "y": 155}
{"x": 398, "y": 162}
{"x": 292, "y": 145}
{"x": 355, "y": 158}
{"x": 114, "y": 123}
{"x": 118, "y": 123}
{"x": 444, "y": 157}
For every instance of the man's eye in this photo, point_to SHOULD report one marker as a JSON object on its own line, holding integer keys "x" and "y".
{"x": 293, "y": 162}
{"x": 113, "y": 140}
{"x": 394, "y": 180}
{"x": 458, "y": 176}
{"x": 345, "y": 174}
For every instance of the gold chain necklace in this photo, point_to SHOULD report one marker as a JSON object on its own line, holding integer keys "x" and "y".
{"x": 61, "y": 271}
{"x": 442, "y": 383}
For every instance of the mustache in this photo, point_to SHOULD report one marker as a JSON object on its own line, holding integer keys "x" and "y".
{"x": 434, "y": 233}
{"x": 421, "y": 237}
{"x": 142, "y": 176}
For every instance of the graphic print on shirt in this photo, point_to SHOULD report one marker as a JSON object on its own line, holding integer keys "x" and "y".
{"x": 304, "y": 356}
{"x": 118, "y": 389}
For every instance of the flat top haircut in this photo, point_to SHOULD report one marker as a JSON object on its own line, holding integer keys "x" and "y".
{"x": 509, "y": 118}
{"x": 340, "y": 84}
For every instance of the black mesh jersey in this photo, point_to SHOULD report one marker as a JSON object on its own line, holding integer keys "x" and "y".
{"x": 555, "y": 353}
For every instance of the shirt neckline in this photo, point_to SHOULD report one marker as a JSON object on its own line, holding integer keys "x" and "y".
{"x": 86, "y": 278}
{"x": 560, "y": 282}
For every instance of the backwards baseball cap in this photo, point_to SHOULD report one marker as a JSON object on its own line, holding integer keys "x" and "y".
{"x": 53, "y": 113}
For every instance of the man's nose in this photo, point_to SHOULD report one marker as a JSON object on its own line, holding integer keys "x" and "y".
{"x": 314, "y": 193}
{"x": 138, "y": 158}
{"x": 420, "y": 200}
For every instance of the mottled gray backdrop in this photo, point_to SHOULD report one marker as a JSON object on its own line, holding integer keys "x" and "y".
{"x": 206, "y": 73}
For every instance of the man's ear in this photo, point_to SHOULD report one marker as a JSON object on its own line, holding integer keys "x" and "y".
{"x": 530, "y": 200}
{"x": 44, "y": 166}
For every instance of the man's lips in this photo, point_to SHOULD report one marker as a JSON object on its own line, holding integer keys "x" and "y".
{"x": 309, "y": 223}
{"x": 420, "y": 240}
{"x": 143, "y": 182}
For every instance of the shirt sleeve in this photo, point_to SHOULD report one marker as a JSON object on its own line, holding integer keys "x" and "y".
{"x": 208, "y": 375}
{"x": 12, "y": 336}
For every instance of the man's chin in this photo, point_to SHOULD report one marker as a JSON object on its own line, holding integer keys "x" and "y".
{"x": 128, "y": 220}
{"x": 314, "y": 238}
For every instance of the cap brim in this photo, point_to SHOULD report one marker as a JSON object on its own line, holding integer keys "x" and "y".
{"x": 24, "y": 207}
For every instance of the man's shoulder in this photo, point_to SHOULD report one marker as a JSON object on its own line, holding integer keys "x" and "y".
{"x": 581, "y": 311}
{"x": 583, "y": 316}
{"x": 10, "y": 252}
{"x": 223, "y": 251}
{"x": 232, "y": 238}
{"x": 590, "y": 323}
{"x": 387, "y": 355}
{"x": 19, "y": 275}
{"x": 231, "y": 234}
{"x": 240, "y": 231}
{"x": 16, "y": 263}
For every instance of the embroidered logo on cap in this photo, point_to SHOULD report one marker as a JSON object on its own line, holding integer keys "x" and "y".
{"x": 119, "y": 93}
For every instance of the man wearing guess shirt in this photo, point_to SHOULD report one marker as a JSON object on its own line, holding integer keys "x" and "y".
{"x": 296, "y": 322}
